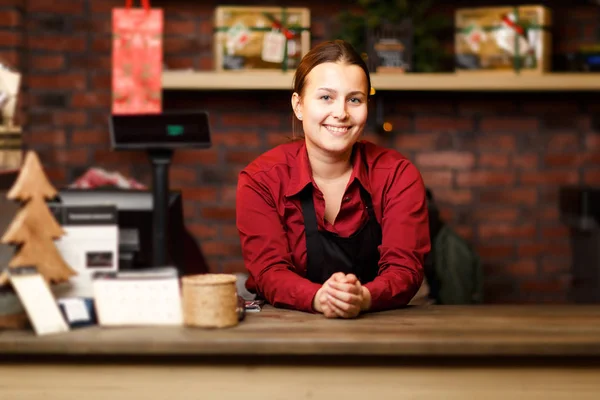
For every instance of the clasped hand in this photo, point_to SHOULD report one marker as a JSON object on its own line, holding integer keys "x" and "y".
{"x": 342, "y": 296}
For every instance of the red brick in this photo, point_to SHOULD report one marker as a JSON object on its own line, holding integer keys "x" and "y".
{"x": 592, "y": 141}
{"x": 181, "y": 44}
{"x": 556, "y": 266}
{"x": 228, "y": 194}
{"x": 544, "y": 286}
{"x": 496, "y": 142}
{"x": 120, "y": 157}
{"x": 99, "y": 7}
{"x": 245, "y": 120}
{"x": 466, "y": 232}
{"x": 190, "y": 210}
{"x": 9, "y": 39}
{"x": 495, "y": 251}
{"x": 179, "y": 27}
{"x": 592, "y": 177}
{"x": 550, "y": 178}
{"x": 400, "y": 123}
{"x": 47, "y": 62}
{"x": 555, "y": 232}
{"x": 10, "y": 57}
{"x": 443, "y": 124}
{"x": 506, "y": 230}
{"x": 551, "y": 105}
{"x": 9, "y": 18}
{"x": 72, "y": 80}
{"x": 497, "y": 214}
{"x": 70, "y": 118}
{"x": 86, "y": 61}
{"x": 218, "y": 213}
{"x": 181, "y": 175}
{"x": 196, "y": 157}
{"x": 214, "y": 248}
{"x": 566, "y": 160}
{"x": 59, "y": 43}
{"x": 561, "y": 142}
{"x": 277, "y": 138}
{"x": 236, "y": 138}
{"x": 200, "y": 193}
{"x": 489, "y": 106}
{"x": 180, "y": 62}
{"x": 525, "y": 161}
{"x": 509, "y": 124}
{"x": 54, "y": 137}
{"x": 72, "y": 7}
{"x": 445, "y": 159}
{"x": 229, "y": 231}
{"x": 101, "y": 82}
{"x": 101, "y": 44}
{"x": 485, "y": 178}
{"x": 91, "y": 100}
{"x": 523, "y": 267}
{"x": 233, "y": 267}
{"x": 241, "y": 157}
{"x": 206, "y": 63}
{"x": 546, "y": 213}
{"x": 65, "y": 156}
{"x": 450, "y": 196}
{"x": 56, "y": 175}
{"x": 547, "y": 248}
{"x": 421, "y": 141}
{"x": 435, "y": 179}
{"x": 493, "y": 160}
{"x": 429, "y": 106}
{"x": 202, "y": 231}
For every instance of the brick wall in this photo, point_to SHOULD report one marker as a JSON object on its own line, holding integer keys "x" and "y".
{"x": 495, "y": 161}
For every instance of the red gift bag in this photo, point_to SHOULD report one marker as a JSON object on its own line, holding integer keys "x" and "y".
{"x": 137, "y": 58}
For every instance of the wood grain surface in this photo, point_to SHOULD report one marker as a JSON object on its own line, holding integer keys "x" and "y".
{"x": 485, "y": 330}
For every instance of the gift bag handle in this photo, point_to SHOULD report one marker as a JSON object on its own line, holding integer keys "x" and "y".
{"x": 145, "y": 3}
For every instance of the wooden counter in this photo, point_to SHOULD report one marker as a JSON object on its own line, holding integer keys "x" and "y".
{"x": 418, "y": 352}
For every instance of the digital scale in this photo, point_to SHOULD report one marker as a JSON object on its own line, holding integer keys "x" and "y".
{"x": 159, "y": 135}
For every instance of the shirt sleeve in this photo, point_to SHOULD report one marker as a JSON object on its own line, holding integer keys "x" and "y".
{"x": 266, "y": 252}
{"x": 405, "y": 241}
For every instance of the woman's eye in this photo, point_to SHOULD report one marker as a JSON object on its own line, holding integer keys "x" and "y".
{"x": 355, "y": 100}
{"x": 325, "y": 97}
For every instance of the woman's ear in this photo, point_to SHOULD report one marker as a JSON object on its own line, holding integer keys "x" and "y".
{"x": 297, "y": 105}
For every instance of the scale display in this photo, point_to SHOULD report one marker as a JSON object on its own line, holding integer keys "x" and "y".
{"x": 169, "y": 130}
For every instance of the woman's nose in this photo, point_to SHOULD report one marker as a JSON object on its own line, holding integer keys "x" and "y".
{"x": 340, "y": 110}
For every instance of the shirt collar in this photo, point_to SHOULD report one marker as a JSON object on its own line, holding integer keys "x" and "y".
{"x": 301, "y": 176}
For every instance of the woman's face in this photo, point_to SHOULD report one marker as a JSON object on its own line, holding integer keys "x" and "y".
{"x": 333, "y": 108}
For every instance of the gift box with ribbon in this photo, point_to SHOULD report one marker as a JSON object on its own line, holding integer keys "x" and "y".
{"x": 503, "y": 39}
{"x": 260, "y": 38}
{"x": 137, "y": 56}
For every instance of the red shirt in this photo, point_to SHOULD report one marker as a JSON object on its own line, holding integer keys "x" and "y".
{"x": 271, "y": 225}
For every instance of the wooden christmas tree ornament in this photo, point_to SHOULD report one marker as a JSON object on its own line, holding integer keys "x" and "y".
{"x": 34, "y": 229}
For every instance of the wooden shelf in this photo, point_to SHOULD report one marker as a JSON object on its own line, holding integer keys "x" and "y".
{"x": 206, "y": 80}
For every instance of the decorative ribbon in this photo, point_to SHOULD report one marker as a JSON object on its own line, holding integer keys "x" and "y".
{"x": 518, "y": 28}
{"x": 145, "y": 4}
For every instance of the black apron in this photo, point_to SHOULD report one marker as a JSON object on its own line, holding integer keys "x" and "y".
{"x": 328, "y": 253}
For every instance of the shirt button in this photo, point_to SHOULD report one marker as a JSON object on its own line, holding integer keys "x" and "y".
{"x": 346, "y": 199}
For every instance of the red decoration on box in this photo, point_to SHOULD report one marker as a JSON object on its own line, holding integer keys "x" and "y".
{"x": 137, "y": 57}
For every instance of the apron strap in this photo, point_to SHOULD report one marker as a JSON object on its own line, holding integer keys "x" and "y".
{"x": 314, "y": 249}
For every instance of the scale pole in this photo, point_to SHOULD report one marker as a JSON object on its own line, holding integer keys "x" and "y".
{"x": 161, "y": 160}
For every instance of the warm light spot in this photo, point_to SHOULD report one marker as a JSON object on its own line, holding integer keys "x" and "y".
{"x": 387, "y": 127}
{"x": 372, "y": 90}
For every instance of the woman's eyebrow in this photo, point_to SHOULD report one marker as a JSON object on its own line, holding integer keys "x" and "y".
{"x": 354, "y": 93}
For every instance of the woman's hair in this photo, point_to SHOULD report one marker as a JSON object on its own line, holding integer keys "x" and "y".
{"x": 330, "y": 51}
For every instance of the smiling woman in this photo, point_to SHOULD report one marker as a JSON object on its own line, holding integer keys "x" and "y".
{"x": 332, "y": 224}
